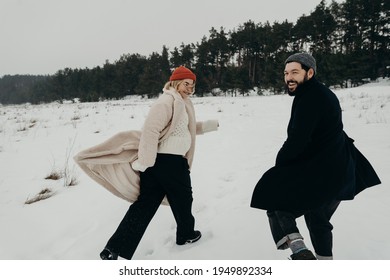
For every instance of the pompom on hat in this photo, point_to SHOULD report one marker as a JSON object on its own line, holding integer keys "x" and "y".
{"x": 181, "y": 73}
{"x": 304, "y": 59}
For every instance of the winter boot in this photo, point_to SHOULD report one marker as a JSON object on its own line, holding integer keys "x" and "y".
{"x": 107, "y": 254}
{"x": 303, "y": 255}
{"x": 193, "y": 238}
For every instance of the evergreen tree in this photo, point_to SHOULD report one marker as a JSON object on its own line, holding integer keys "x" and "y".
{"x": 350, "y": 41}
{"x": 154, "y": 75}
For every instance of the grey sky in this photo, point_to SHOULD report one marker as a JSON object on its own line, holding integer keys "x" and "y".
{"x": 43, "y": 36}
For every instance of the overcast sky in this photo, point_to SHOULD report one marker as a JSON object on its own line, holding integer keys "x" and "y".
{"x": 43, "y": 36}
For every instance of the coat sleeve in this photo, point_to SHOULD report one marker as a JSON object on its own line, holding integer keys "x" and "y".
{"x": 206, "y": 126}
{"x": 159, "y": 117}
{"x": 304, "y": 120}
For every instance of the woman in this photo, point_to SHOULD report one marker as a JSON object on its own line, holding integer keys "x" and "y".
{"x": 165, "y": 155}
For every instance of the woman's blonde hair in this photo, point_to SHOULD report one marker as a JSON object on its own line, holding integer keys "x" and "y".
{"x": 175, "y": 84}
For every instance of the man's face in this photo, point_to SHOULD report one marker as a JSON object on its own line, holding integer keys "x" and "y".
{"x": 294, "y": 75}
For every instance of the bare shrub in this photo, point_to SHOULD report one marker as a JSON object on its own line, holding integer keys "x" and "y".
{"x": 54, "y": 175}
{"x": 43, "y": 194}
{"x": 75, "y": 118}
{"x": 65, "y": 173}
{"x": 33, "y": 122}
{"x": 21, "y": 128}
{"x": 72, "y": 181}
{"x": 69, "y": 177}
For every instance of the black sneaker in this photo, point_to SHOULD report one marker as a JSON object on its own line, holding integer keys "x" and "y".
{"x": 106, "y": 254}
{"x": 195, "y": 237}
{"x": 303, "y": 255}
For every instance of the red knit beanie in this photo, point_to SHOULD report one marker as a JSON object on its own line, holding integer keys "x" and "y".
{"x": 182, "y": 73}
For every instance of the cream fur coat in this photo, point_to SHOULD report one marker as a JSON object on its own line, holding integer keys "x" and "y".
{"x": 109, "y": 163}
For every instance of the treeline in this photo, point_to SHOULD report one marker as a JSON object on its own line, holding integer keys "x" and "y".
{"x": 350, "y": 41}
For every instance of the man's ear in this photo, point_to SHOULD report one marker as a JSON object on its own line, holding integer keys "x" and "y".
{"x": 310, "y": 73}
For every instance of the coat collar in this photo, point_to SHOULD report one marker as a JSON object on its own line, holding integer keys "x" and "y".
{"x": 303, "y": 87}
{"x": 171, "y": 91}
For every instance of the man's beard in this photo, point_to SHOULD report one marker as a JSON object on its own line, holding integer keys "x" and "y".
{"x": 298, "y": 84}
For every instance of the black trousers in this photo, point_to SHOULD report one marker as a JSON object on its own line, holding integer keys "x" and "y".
{"x": 170, "y": 177}
{"x": 283, "y": 227}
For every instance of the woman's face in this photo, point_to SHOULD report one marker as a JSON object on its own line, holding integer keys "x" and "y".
{"x": 186, "y": 88}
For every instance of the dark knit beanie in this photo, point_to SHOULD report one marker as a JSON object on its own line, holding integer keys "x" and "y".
{"x": 181, "y": 73}
{"x": 304, "y": 59}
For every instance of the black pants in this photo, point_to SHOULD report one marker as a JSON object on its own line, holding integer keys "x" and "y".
{"x": 170, "y": 177}
{"x": 284, "y": 227}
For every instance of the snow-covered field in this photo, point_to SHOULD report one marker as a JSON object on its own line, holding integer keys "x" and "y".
{"x": 76, "y": 221}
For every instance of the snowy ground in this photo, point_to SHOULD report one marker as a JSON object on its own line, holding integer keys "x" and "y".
{"x": 75, "y": 223}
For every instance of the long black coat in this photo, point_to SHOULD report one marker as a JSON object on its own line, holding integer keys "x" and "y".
{"x": 318, "y": 162}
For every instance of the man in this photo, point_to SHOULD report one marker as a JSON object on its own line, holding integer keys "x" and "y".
{"x": 317, "y": 166}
